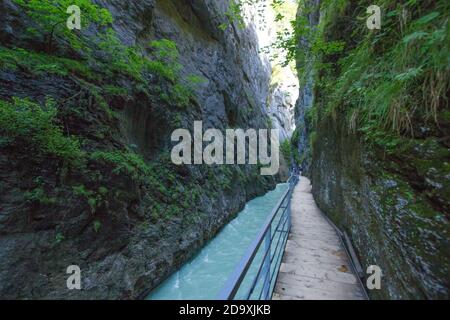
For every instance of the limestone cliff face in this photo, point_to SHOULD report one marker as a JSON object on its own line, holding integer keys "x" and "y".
{"x": 385, "y": 204}
{"x": 281, "y": 105}
{"x": 237, "y": 76}
{"x": 306, "y": 95}
{"x": 283, "y": 90}
{"x": 141, "y": 230}
{"x": 393, "y": 204}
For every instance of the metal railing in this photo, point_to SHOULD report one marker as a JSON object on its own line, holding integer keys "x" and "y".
{"x": 255, "y": 276}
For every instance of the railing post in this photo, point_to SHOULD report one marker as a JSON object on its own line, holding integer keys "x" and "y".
{"x": 288, "y": 211}
{"x": 233, "y": 283}
{"x": 291, "y": 192}
{"x": 266, "y": 271}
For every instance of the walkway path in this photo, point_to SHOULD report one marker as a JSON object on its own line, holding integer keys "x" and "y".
{"x": 315, "y": 265}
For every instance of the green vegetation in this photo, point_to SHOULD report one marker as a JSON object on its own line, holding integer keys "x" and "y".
{"x": 127, "y": 163}
{"x": 131, "y": 61}
{"x": 119, "y": 59}
{"x": 384, "y": 82}
{"x": 289, "y": 149}
{"x": 98, "y": 66}
{"x": 50, "y": 17}
{"x": 39, "y": 195}
{"x": 234, "y": 14}
{"x": 165, "y": 65}
{"x": 59, "y": 237}
{"x": 93, "y": 198}
{"x": 97, "y": 226}
{"x": 394, "y": 79}
{"x": 295, "y": 142}
{"x": 160, "y": 57}
{"x": 26, "y": 124}
{"x": 286, "y": 150}
{"x": 40, "y": 64}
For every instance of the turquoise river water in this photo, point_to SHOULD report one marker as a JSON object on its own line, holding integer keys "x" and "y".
{"x": 203, "y": 277}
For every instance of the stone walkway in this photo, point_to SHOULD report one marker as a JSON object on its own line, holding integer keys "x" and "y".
{"x": 315, "y": 265}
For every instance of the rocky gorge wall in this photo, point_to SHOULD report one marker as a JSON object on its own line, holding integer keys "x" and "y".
{"x": 388, "y": 191}
{"x": 306, "y": 95}
{"x": 384, "y": 204}
{"x": 123, "y": 212}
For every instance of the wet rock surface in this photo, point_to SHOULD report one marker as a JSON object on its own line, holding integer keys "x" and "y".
{"x": 393, "y": 202}
{"x": 133, "y": 251}
{"x": 395, "y": 217}
{"x": 305, "y": 101}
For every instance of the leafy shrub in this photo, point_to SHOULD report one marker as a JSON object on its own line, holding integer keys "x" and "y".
{"x": 164, "y": 65}
{"x": 111, "y": 58}
{"x": 181, "y": 94}
{"x": 40, "y": 64}
{"x": 127, "y": 163}
{"x": 166, "y": 59}
{"x": 286, "y": 150}
{"x": 97, "y": 226}
{"x": 89, "y": 195}
{"x": 39, "y": 195}
{"x": 165, "y": 50}
{"x": 119, "y": 58}
{"x": 387, "y": 82}
{"x": 25, "y": 122}
{"x": 59, "y": 237}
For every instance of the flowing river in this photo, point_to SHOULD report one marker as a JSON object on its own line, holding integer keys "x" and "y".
{"x": 203, "y": 277}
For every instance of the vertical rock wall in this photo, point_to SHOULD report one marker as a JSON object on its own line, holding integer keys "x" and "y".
{"x": 134, "y": 249}
{"x": 390, "y": 203}
{"x": 306, "y": 95}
